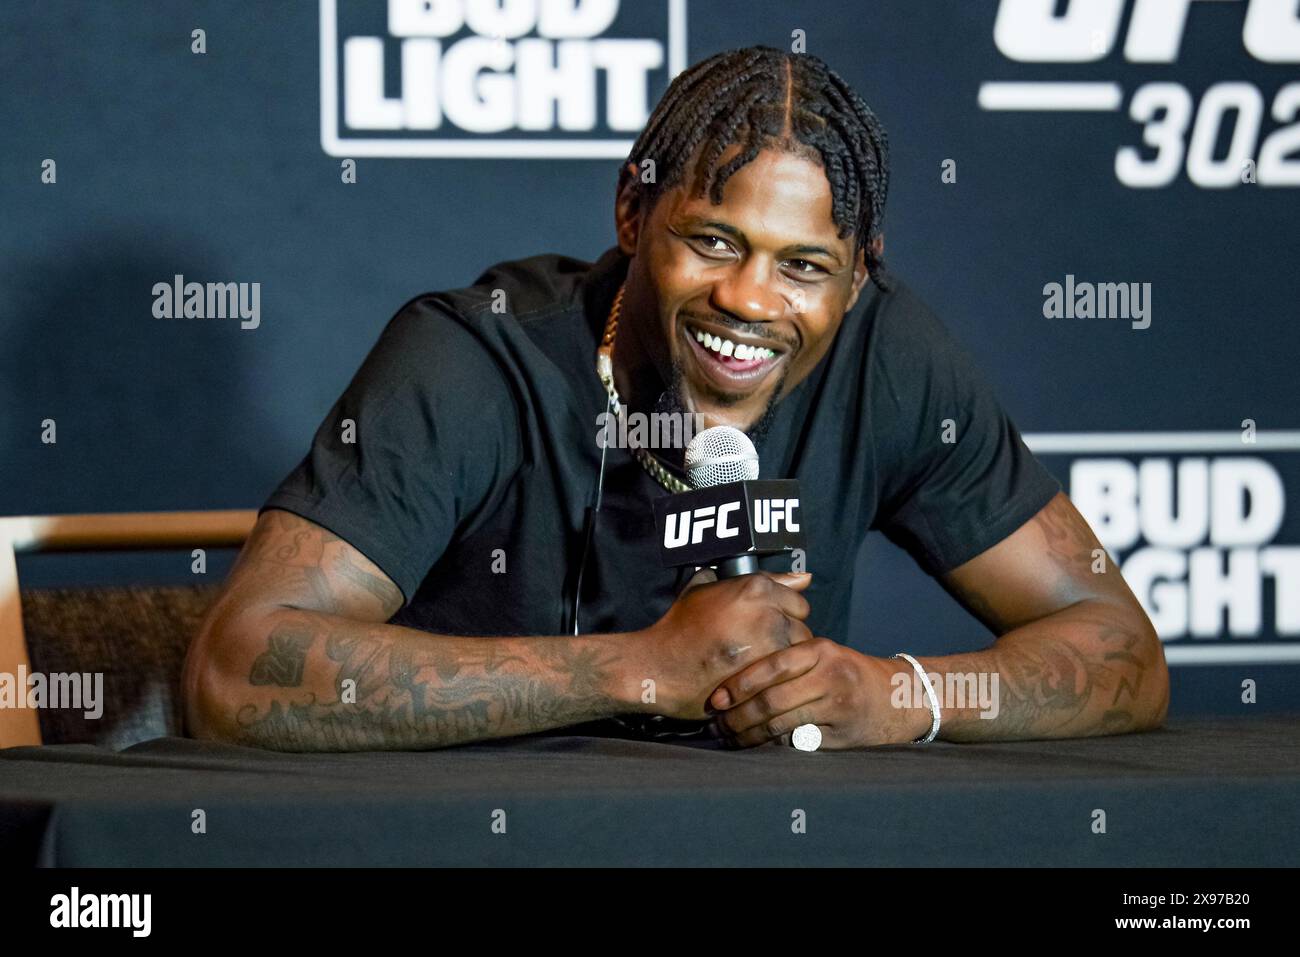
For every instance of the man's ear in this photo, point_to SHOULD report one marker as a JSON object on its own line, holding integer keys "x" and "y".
{"x": 860, "y": 274}
{"x": 627, "y": 209}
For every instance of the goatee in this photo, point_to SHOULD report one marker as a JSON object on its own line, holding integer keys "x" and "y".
{"x": 670, "y": 401}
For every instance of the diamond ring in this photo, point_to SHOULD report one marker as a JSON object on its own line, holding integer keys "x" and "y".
{"x": 806, "y": 737}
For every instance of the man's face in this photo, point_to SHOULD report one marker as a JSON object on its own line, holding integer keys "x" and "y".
{"x": 743, "y": 299}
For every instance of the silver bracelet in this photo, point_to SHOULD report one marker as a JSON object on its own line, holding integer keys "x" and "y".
{"x": 929, "y": 691}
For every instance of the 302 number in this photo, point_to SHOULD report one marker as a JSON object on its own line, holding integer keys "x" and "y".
{"x": 1166, "y": 111}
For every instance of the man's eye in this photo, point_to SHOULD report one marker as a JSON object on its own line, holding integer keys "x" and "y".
{"x": 812, "y": 269}
{"x": 707, "y": 241}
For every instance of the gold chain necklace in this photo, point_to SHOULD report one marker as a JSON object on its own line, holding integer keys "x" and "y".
{"x": 605, "y": 369}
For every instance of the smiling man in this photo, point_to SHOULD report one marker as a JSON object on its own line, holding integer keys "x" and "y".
{"x": 433, "y": 572}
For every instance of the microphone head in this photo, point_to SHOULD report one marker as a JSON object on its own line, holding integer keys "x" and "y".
{"x": 720, "y": 455}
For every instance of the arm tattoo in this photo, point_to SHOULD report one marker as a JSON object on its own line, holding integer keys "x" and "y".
{"x": 1048, "y": 684}
{"x": 1070, "y": 541}
{"x": 304, "y": 562}
{"x": 406, "y": 690}
{"x": 363, "y": 579}
{"x": 1077, "y": 671}
{"x": 282, "y": 662}
{"x": 327, "y": 675}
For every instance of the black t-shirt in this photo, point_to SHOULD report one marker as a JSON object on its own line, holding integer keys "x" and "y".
{"x": 474, "y": 457}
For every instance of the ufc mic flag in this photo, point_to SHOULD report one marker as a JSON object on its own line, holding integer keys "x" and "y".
{"x": 708, "y": 526}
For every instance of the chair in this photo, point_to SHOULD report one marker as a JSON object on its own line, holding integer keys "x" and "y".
{"x": 135, "y": 636}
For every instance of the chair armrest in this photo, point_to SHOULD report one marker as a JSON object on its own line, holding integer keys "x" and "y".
{"x": 17, "y": 725}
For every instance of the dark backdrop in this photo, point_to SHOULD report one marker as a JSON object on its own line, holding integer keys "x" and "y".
{"x": 218, "y": 166}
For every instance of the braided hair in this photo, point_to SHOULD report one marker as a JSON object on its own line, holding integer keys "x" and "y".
{"x": 761, "y": 97}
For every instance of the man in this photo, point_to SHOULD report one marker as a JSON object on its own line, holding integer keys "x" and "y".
{"x": 434, "y": 571}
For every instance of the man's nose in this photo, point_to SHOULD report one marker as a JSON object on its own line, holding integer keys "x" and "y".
{"x": 748, "y": 292}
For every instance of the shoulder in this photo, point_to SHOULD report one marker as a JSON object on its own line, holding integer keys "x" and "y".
{"x": 901, "y": 323}
{"x": 907, "y": 349}
{"x": 519, "y": 288}
{"x": 465, "y": 331}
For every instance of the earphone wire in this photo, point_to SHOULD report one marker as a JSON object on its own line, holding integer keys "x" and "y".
{"x": 590, "y": 524}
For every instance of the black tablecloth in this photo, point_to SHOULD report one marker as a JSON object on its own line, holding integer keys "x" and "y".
{"x": 1196, "y": 793}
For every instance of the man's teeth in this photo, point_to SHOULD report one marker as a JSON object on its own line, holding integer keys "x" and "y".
{"x": 726, "y": 347}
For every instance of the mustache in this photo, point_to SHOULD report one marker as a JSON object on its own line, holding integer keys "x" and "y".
{"x": 755, "y": 330}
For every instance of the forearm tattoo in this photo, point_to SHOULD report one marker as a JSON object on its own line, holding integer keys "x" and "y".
{"x": 328, "y": 677}
{"x": 414, "y": 692}
{"x": 1080, "y": 671}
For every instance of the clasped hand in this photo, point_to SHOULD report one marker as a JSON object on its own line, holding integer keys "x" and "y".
{"x": 740, "y": 651}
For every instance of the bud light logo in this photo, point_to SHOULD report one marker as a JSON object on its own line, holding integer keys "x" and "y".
{"x": 1198, "y": 535}
{"x": 1199, "y": 527}
{"x": 494, "y": 78}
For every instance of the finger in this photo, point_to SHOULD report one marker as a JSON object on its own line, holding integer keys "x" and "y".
{"x": 792, "y": 604}
{"x": 780, "y": 726}
{"x": 760, "y": 590}
{"x": 779, "y": 666}
{"x": 785, "y": 741}
{"x": 796, "y": 580}
{"x": 826, "y": 743}
{"x": 786, "y": 594}
{"x": 702, "y": 576}
{"x": 771, "y": 703}
{"x": 795, "y": 632}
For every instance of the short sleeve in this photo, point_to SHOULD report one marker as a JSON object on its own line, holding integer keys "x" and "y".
{"x": 425, "y": 435}
{"x": 955, "y": 476}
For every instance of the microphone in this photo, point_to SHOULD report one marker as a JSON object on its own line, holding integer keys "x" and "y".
{"x": 724, "y": 458}
{"x": 718, "y": 456}
{"x": 730, "y": 516}
{"x": 728, "y": 519}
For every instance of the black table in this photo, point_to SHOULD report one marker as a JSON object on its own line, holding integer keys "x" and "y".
{"x": 1206, "y": 792}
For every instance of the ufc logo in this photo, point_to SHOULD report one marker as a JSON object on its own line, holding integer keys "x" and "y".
{"x": 1027, "y": 30}
{"x": 692, "y": 525}
{"x": 769, "y": 513}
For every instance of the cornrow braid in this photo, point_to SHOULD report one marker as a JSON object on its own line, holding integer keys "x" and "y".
{"x": 760, "y": 97}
